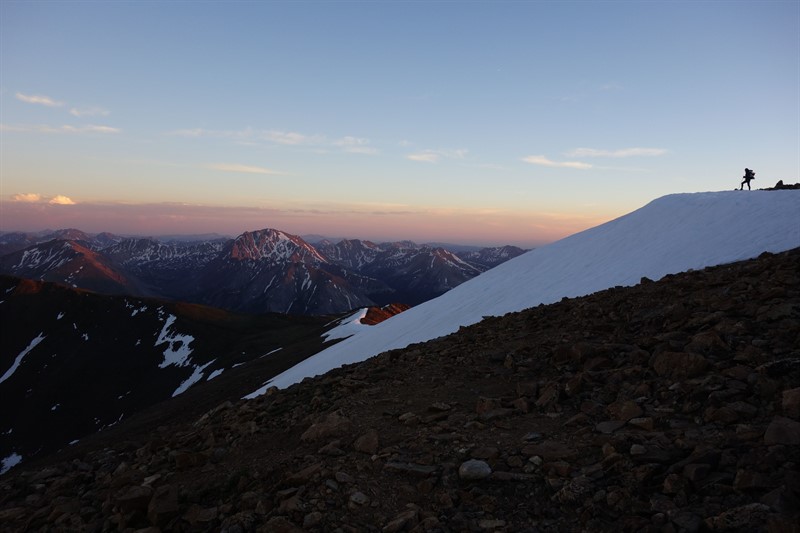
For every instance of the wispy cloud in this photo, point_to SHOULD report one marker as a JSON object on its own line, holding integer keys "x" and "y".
{"x": 433, "y": 156}
{"x": 89, "y": 112}
{"x": 624, "y": 152}
{"x": 291, "y": 138}
{"x": 38, "y": 100}
{"x": 355, "y": 145}
{"x": 425, "y": 157}
{"x": 36, "y": 198}
{"x": 246, "y": 169}
{"x": 191, "y": 132}
{"x": 44, "y": 128}
{"x": 90, "y": 129}
{"x": 350, "y": 144}
{"x": 544, "y": 161}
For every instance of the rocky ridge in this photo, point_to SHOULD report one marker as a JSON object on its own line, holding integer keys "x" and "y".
{"x": 668, "y": 406}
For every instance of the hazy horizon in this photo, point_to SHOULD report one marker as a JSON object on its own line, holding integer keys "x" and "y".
{"x": 305, "y": 235}
{"x": 462, "y": 122}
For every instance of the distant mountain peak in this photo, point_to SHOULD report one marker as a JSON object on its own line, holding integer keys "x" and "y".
{"x": 275, "y": 245}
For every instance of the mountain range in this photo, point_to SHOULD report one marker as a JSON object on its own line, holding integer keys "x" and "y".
{"x": 641, "y": 375}
{"x": 259, "y": 271}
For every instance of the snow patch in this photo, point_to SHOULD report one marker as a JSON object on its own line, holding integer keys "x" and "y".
{"x": 22, "y": 354}
{"x": 60, "y": 316}
{"x": 177, "y": 351}
{"x": 347, "y": 326}
{"x": 215, "y": 373}
{"x": 194, "y": 378}
{"x": 270, "y": 353}
{"x": 10, "y": 462}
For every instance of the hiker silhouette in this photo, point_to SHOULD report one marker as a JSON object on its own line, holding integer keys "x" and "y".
{"x": 749, "y": 175}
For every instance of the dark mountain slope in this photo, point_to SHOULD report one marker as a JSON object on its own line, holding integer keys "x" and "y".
{"x": 74, "y": 362}
{"x": 668, "y": 406}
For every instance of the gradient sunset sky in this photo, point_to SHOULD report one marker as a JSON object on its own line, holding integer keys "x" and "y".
{"x": 467, "y": 122}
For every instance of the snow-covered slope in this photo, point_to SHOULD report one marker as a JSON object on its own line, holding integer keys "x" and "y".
{"x": 672, "y": 234}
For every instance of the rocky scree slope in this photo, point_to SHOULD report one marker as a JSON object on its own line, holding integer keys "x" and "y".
{"x": 666, "y": 406}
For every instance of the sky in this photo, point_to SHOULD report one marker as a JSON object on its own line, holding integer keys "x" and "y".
{"x": 465, "y": 122}
{"x": 709, "y": 229}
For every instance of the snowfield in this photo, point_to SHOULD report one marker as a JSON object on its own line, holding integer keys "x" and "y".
{"x": 672, "y": 234}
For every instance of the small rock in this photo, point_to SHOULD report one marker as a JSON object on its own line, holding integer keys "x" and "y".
{"x": 134, "y": 499}
{"x": 163, "y": 506}
{"x": 334, "y": 424}
{"x": 624, "y": 410}
{"x": 343, "y": 477}
{"x": 491, "y": 523}
{"x": 367, "y": 443}
{"x": 303, "y": 476}
{"x": 748, "y": 517}
{"x": 782, "y": 431}
{"x": 359, "y": 498}
{"x": 610, "y": 426}
{"x": 484, "y": 405}
{"x": 474, "y": 470}
{"x": 696, "y": 471}
{"x": 200, "y": 516}
{"x": 638, "y": 449}
{"x": 399, "y": 522}
{"x": 312, "y": 519}
{"x": 645, "y": 423}
{"x": 790, "y": 402}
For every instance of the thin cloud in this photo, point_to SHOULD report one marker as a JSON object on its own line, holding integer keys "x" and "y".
{"x": 30, "y": 197}
{"x": 624, "y": 152}
{"x": 250, "y": 136}
{"x": 38, "y": 100}
{"x": 44, "y": 128}
{"x": 433, "y": 156}
{"x": 544, "y": 161}
{"x": 193, "y": 132}
{"x": 61, "y": 200}
{"x": 89, "y": 112}
{"x": 355, "y": 145}
{"x": 425, "y": 157}
{"x": 290, "y": 138}
{"x": 90, "y": 129}
{"x": 246, "y": 169}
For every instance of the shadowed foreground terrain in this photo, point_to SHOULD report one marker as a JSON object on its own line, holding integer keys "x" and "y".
{"x": 668, "y": 406}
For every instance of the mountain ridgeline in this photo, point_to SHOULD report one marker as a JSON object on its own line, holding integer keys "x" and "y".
{"x": 259, "y": 271}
